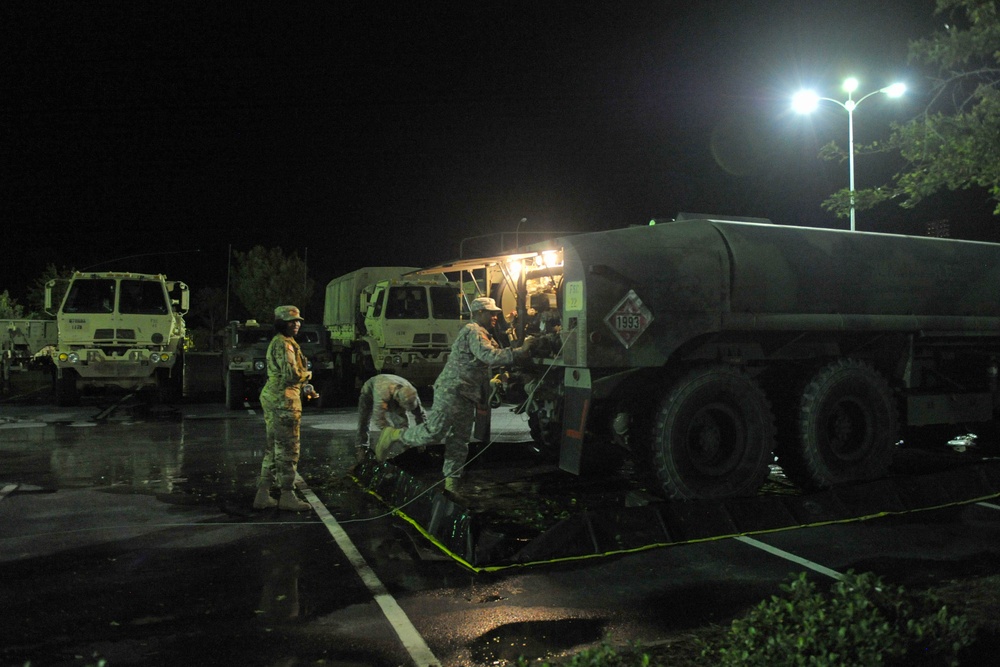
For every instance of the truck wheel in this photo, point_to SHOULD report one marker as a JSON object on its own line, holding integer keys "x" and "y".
{"x": 66, "y": 393}
{"x": 170, "y": 388}
{"x": 235, "y": 390}
{"x": 713, "y": 436}
{"x": 847, "y": 428}
{"x": 546, "y": 434}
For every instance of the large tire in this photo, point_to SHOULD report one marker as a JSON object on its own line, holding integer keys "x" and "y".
{"x": 65, "y": 389}
{"x": 713, "y": 436}
{"x": 546, "y": 434}
{"x": 170, "y": 383}
{"x": 846, "y": 430}
{"x": 235, "y": 390}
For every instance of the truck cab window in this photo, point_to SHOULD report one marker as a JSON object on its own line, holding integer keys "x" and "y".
{"x": 91, "y": 296}
{"x": 142, "y": 298}
{"x": 407, "y": 303}
{"x": 446, "y": 303}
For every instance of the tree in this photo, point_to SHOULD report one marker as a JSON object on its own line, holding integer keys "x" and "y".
{"x": 208, "y": 308}
{"x": 263, "y": 279}
{"x": 36, "y": 293}
{"x": 10, "y": 309}
{"x": 953, "y": 144}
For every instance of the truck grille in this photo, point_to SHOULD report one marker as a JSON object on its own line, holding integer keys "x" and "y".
{"x": 428, "y": 339}
{"x": 104, "y": 335}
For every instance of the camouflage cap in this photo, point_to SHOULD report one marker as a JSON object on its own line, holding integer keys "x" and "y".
{"x": 483, "y": 303}
{"x": 288, "y": 314}
{"x": 406, "y": 396}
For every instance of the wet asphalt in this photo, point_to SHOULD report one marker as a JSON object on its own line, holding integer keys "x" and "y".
{"x": 127, "y": 535}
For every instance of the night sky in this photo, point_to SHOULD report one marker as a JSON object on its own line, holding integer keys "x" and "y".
{"x": 372, "y": 132}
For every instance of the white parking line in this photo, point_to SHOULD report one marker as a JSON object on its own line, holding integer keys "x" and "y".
{"x": 990, "y": 505}
{"x": 790, "y": 556}
{"x": 412, "y": 641}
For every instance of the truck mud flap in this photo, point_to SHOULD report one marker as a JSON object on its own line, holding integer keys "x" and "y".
{"x": 462, "y": 534}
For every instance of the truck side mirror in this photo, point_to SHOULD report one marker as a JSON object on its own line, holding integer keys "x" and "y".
{"x": 48, "y": 296}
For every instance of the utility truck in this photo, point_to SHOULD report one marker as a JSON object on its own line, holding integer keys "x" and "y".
{"x": 708, "y": 349}
{"x": 380, "y": 322}
{"x": 118, "y": 330}
{"x": 244, "y": 359}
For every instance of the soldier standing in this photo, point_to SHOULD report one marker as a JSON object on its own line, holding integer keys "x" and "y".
{"x": 461, "y": 387}
{"x": 281, "y": 399}
{"x": 385, "y": 401}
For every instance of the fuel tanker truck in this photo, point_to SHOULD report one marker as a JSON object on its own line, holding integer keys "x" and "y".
{"x": 711, "y": 349}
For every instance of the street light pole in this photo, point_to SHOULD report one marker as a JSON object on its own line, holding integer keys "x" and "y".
{"x": 806, "y": 101}
{"x": 849, "y": 105}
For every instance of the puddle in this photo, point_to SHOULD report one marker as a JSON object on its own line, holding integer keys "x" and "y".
{"x": 535, "y": 639}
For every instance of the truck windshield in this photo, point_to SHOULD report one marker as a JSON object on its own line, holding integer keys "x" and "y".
{"x": 90, "y": 296}
{"x": 139, "y": 297}
{"x": 407, "y": 302}
{"x": 446, "y": 303}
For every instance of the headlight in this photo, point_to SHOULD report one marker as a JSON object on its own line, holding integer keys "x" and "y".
{"x": 397, "y": 359}
{"x": 259, "y": 365}
{"x": 309, "y": 364}
{"x": 73, "y": 357}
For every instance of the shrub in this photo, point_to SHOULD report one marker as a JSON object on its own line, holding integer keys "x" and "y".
{"x": 861, "y": 622}
{"x": 604, "y": 655}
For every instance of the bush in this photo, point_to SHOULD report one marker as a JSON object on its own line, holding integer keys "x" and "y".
{"x": 861, "y": 622}
{"x": 604, "y": 655}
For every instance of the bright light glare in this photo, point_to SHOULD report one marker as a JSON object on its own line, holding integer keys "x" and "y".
{"x": 550, "y": 259}
{"x": 515, "y": 269}
{"x": 895, "y": 90}
{"x": 850, "y": 85}
{"x": 805, "y": 101}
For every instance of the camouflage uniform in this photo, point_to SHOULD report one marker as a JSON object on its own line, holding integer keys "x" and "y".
{"x": 281, "y": 399}
{"x": 461, "y": 386}
{"x": 385, "y": 400}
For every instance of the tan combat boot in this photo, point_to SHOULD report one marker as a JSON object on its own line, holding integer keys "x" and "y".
{"x": 289, "y": 501}
{"x": 263, "y": 499}
{"x": 360, "y": 454}
{"x": 453, "y": 489}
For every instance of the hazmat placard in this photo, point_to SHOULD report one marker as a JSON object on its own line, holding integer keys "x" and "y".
{"x": 629, "y": 319}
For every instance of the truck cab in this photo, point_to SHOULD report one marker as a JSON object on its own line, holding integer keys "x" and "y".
{"x": 122, "y": 330}
{"x": 244, "y": 368}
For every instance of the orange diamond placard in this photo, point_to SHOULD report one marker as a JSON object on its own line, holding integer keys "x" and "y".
{"x": 629, "y": 319}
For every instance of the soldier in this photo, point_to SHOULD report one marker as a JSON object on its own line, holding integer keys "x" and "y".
{"x": 385, "y": 400}
{"x": 461, "y": 387}
{"x": 281, "y": 398}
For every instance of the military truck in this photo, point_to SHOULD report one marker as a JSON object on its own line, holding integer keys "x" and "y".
{"x": 382, "y": 322}
{"x": 708, "y": 349}
{"x": 24, "y": 347}
{"x": 122, "y": 330}
{"x": 244, "y": 369}
{"x": 243, "y": 359}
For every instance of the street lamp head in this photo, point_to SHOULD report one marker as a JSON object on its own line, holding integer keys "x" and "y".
{"x": 895, "y": 90}
{"x": 850, "y": 85}
{"x": 805, "y": 101}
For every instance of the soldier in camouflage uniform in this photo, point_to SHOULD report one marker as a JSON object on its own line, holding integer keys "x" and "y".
{"x": 281, "y": 399}
{"x": 461, "y": 387}
{"x": 385, "y": 401}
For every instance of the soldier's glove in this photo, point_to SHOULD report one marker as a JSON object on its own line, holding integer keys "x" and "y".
{"x": 310, "y": 391}
{"x": 528, "y": 343}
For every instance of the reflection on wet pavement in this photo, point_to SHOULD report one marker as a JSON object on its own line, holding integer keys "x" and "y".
{"x": 130, "y": 538}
